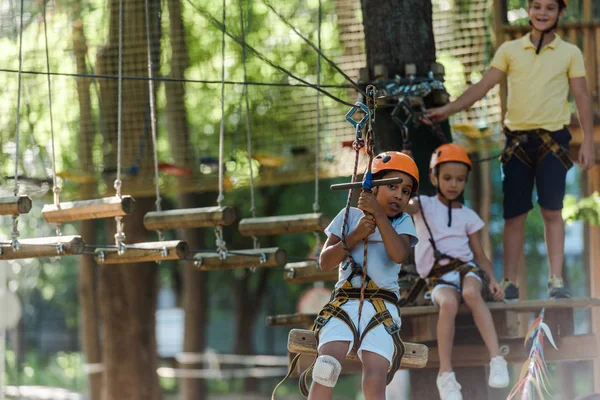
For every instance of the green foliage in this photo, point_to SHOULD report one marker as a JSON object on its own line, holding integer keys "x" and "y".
{"x": 586, "y": 209}
{"x": 64, "y": 370}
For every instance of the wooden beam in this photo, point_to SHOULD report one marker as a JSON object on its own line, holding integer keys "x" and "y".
{"x": 304, "y": 320}
{"x": 521, "y": 306}
{"x": 283, "y": 224}
{"x": 88, "y": 209}
{"x": 303, "y": 341}
{"x": 189, "y": 218}
{"x": 43, "y": 247}
{"x": 144, "y": 252}
{"x": 255, "y": 258}
{"x": 570, "y": 348}
{"x": 15, "y": 205}
{"x": 306, "y": 272}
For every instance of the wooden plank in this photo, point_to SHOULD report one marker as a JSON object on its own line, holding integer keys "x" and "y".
{"x": 15, "y": 205}
{"x": 308, "y": 271}
{"x": 570, "y": 348}
{"x": 144, "y": 252}
{"x": 189, "y": 218}
{"x": 43, "y": 247}
{"x": 303, "y": 341}
{"x": 255, "y": 258}
{"x": 518, "y": 307}
{"x": 88, "y": 209}
{"x": 304, "y": 320}
{"x": 283, "y": 224}
{"x": 522, "y": 306}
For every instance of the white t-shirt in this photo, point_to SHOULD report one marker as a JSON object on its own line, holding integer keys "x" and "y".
{"x": 452, "y": 241}
{"x": 380, "y": 267}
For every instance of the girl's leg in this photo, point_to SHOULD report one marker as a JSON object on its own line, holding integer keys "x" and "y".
{"x": 471, "y": 292}
{"x": 374, "y": 375}
{"x": 447, "y": 299}
{"x": 338, "y": 350}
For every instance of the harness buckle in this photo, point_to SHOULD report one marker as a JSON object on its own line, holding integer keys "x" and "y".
{"x": 321, "y": 321}
{"x": 392, "y": 329}
{"x": 523, "y": 138}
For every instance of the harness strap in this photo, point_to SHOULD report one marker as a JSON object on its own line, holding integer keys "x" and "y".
{"x": 463, "y": 268}
{"x": 549, "y": 145}
{"x": 333, "y": 309}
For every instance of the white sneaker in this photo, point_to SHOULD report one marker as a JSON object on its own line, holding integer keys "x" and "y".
{"x": 498, "y": 373}
{"x": 448, "y": 387}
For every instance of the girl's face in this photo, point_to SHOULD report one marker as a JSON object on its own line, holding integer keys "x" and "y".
{"x": 451, "y": 179}
{"x": 394, "y": 198}
{"x": 544, "y": 13}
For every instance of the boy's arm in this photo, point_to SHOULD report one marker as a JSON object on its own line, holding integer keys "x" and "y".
{"x": 584, "y": 111}
{"x": 396, "y": 245}
{"x": 491, "y": 78}
{"x": 413, "y": 206}
{"x": 333, "y": 250}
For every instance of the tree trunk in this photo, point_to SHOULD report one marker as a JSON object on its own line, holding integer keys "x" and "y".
{"x": 399, "y": 32}
{"x": 87, "y": 266}
{"x": 248, "y": 302}
{"x": 195, "y": 300}
{"x": 195, "y": 295}
{"x": 129, "y": 292}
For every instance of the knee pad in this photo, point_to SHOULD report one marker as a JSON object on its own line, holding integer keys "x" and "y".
{"x": 326, "y": 370}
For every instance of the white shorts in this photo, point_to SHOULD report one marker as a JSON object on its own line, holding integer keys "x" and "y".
{"x": 378, "y": 340}
{"x": 454, "y": 278}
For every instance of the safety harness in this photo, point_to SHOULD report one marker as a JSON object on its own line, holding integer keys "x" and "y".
{"x": 438, "y": 270}
{"x": 548, "y": 145}
{"x": 377, "y": 297}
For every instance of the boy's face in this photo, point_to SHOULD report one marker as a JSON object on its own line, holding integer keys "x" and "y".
{"x": 451, "y": 179}
{"x": 544, "y": 13}
{"x": 394, "y": 198}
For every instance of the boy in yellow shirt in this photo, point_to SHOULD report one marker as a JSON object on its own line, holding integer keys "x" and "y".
{"x": 540, "y": 69}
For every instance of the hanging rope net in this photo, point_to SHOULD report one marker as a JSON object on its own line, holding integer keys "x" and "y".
{"x": 281, "y": 74}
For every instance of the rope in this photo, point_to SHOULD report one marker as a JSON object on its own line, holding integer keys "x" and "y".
{"x": 246, "y": 46}
{"x": 318, "y": 130}
{"x": 317, "y": 49}
{"x": 15, "y": 218}
{"x": 55, "y": 187}
{"x": 219, "y": 241}
{"x": 370, "y": 147}
{"x": 318, "y": 133}
{"x": 120, "y": 235}
{"x": 158, "y": 201}
{"x": 248, "y": 131}
{"x": 175, "y": 80}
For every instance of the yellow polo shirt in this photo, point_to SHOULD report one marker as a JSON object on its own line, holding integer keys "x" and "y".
{"x": 538, "y": 84}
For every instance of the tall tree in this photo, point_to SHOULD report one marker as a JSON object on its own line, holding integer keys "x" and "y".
{"x": 129, "y": 292}
{"x": 398, "y": 32}
{"x": 87, "y": 266}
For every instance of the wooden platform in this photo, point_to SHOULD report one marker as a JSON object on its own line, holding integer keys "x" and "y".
{"x": 419, "y": 326}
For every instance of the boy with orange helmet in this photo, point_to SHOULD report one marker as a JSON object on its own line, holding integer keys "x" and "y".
{"x": 380, "y": 218}
{"x": 450, "y": 257}
{"x": 540, "y": 69}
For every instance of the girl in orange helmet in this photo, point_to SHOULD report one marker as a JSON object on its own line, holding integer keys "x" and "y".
{"x": 450, "y": 257}
{"x": 540, "y": 69}
{"x": 391, "y": 233}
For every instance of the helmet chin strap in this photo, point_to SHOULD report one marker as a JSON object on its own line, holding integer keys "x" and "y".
{"x": 449, "y": 206}
{"x": 553, "y": 27}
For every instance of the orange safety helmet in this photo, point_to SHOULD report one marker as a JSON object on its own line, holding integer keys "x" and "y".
{"x": 396, "y": 161}
{"x": 449, "y": 152}
{"x": 564, "y": 2}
